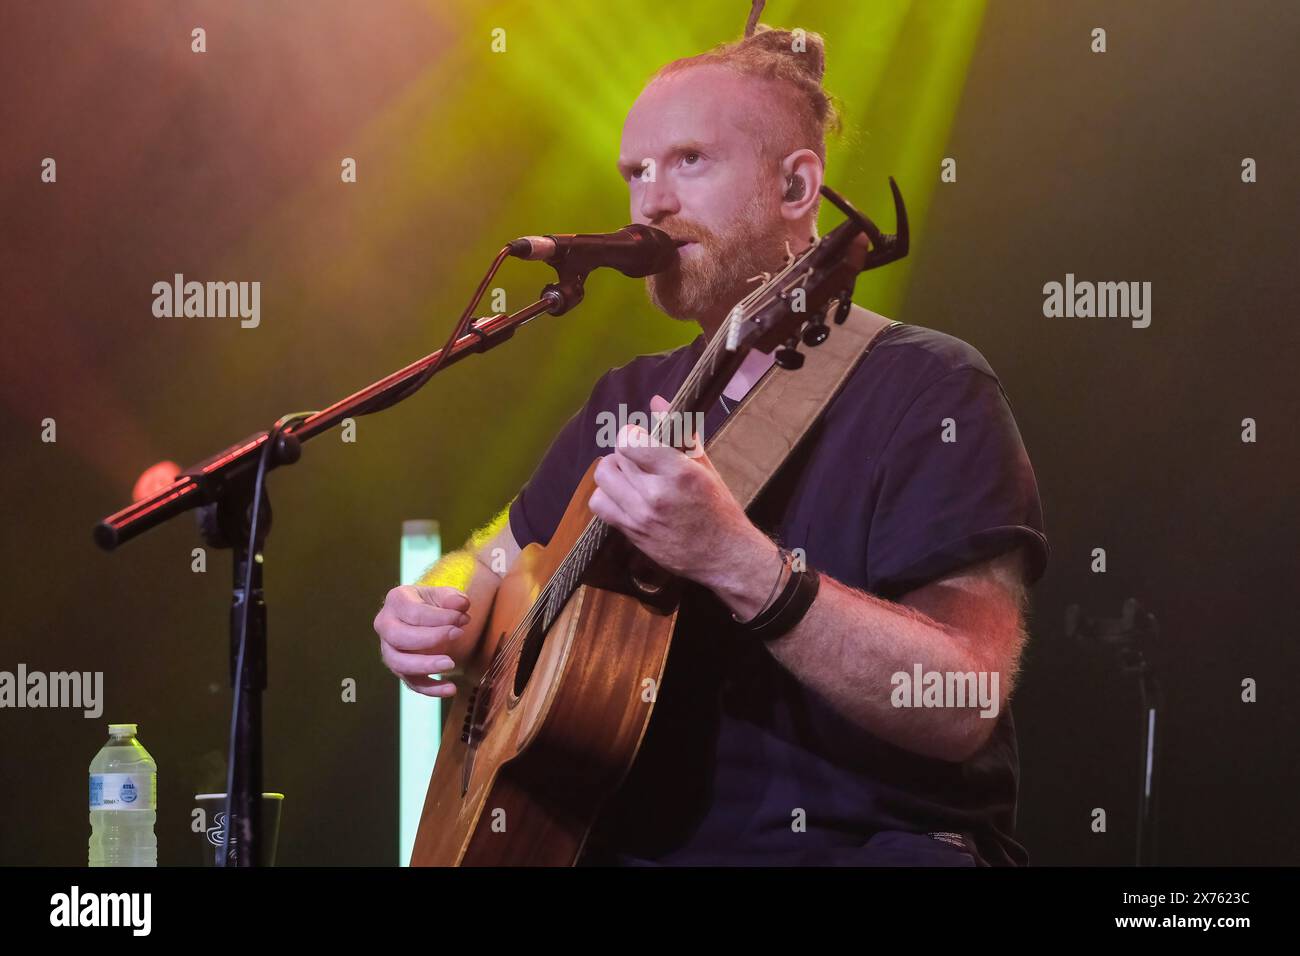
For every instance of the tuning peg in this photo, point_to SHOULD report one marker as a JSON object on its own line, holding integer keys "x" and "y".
{"x": 789, "y": 357}
{"x": 815, "y": 332}
{"x": 842, "y": 308}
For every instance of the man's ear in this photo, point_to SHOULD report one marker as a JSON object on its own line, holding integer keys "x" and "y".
{"x": 801, "y": 176}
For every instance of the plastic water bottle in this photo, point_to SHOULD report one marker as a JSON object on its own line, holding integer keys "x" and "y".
{"x": 123, "y": 802}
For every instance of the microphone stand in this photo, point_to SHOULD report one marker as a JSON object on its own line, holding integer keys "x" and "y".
{"x": 234, "y": 512}
{"x": 1130, "y": 636}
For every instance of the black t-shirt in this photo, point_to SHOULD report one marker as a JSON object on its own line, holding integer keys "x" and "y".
{"x": 743, "y": 765}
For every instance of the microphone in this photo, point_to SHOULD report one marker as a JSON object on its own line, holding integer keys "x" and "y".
{"x": 634, "y": 250}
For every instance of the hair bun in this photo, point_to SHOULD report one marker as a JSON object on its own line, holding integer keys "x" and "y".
{"x": 806, "y": 50}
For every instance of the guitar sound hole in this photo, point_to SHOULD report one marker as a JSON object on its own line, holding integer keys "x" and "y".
{"x": 528, "y": 655}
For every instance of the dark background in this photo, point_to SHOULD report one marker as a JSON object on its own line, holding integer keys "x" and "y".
{"x": 1122, "y": 166}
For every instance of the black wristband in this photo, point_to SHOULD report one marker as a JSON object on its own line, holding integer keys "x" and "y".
{"x": 789, "y": 609}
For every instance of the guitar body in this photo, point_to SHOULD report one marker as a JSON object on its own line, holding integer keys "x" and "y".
{"x": 556, "y": 723}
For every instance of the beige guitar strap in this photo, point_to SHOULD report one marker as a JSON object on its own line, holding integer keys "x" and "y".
{"x": 770, "y": 422}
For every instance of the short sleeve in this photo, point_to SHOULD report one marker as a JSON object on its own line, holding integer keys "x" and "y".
{"x": 537, "y": 509}
{"x": 954, "y": 486}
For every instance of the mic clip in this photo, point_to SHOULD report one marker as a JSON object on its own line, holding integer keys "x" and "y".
{"x": 567, "y": 292}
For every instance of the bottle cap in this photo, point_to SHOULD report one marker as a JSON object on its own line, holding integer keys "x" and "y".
{"x": 419, "y": 526}
{"x": 122, "y": 730}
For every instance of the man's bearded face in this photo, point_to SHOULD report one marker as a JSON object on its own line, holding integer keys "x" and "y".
{"x": 694, "y": 160}
{"x": 713, "y": 272}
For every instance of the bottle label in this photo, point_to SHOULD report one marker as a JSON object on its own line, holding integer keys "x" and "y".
{"x": 123, "y": 791}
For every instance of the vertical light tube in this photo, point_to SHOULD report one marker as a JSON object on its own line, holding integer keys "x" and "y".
{"x": 420, "y": 717}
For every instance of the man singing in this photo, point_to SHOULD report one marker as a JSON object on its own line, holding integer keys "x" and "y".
{"x": 913, "y": 500}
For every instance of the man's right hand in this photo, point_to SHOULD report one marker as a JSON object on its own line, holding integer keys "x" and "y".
{"x": 417, "y": 626}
